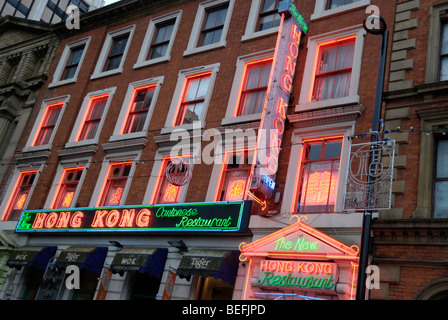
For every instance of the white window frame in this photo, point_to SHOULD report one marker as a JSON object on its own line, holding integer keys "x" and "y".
{"x": 81, "y": 117}
{"x": 97, "y": 73}
{"x": 101, "y": 181}
{"x": 38, "y": 122}
{"x": 305, "y": 103}
{"x": 223, "y": 148}
{"x": 236, "y": 88}
{"x": 63, "y": 62}
{"x": 321, "y": 12}
{"x": 178, "y": 91}
{"x": 85, "y": 162}
{"x": 10, "y": 225}
{"x": 150, "y": 33}
{"x": 252, "y": 24}
{"x": 292, "y": 177}
{"x": 197, "y": 27}
{"x": 158, "y": 162}
{"x": 117, "y": 135}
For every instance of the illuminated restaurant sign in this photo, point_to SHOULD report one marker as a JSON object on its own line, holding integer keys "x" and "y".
{"x": 297, "y": 274}
{"x": 280, "y": 86}
{"x": 183, "y": 217}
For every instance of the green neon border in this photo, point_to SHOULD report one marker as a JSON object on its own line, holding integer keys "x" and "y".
{"x": 101, "y": 230}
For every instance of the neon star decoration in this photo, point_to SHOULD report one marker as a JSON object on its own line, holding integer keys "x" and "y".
{"x": 116, "y": 197}
{"x": 21, "y": 201}
{"x": 171, "y": 193}
{"x": 237, "y": 189}
{"x": 68, "y": 199}
{"x": 320, "y": 188}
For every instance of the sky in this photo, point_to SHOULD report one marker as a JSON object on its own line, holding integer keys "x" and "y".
{"x": 110, "y": 1}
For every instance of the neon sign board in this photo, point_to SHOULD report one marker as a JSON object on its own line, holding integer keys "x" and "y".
{"x": 306, "y": 275}
{"x": 273, "y": 119}
{"x": 180, "y": 217}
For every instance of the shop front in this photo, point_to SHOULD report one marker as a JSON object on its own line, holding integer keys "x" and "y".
{"x": 130, "y": 252}
{"x": 32, "y": 263}
{"x": 299, "y": 263}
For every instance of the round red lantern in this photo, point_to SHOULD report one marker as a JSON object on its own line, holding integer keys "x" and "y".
{"x": 178, "y": 173}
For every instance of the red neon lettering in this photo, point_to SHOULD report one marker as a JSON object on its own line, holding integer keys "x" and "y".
{"x": 275, "y": 143}
{"x": 127, "y": 218}
{"x": 51, "y": 220}
{"x": 317, "y": 268}
{"x": 98, "y": 219}
{"x": 112, "y": 218}
{"x": 264, "y": 265}
{"x": 295, "y": 35}
{"x": 281, "y": 108}
{"x": 76, "y": 220}
{"x": 328, "y": 268}
{"x": 279, "y": 125}
{"x": 286, "y": 83}
{"x": 39, "y": 220}
{"x": 293, "y": 49}
{"x": 143, "y": 218}
{"x": 290, "y": 66}
{"x": 64, "y": 217}
{"x": 272, "y": 164}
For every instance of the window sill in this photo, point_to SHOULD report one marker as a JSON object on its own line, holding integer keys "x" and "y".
{"x": 62, "y": 82}
{"x": 75, "y": 144}
{"x": 194, "y": 50}
{"x": 184, "y": 127}
{"x": 326, "y": 103}
{"x": 259, "y": 34}
{"x": 141, "y": 64}
{"x": 43, "y": 147}
{"x": 241, "y": 119}
{"x": 106, "y": 73}
{"x": 128, "y": 136}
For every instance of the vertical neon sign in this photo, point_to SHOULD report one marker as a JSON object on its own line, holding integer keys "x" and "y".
{"x": 272, "y": 125}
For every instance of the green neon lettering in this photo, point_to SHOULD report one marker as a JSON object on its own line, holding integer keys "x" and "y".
{"x": 267, "y": 276}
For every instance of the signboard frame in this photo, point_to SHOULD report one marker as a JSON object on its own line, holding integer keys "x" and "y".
{"x": 228, "y": 217}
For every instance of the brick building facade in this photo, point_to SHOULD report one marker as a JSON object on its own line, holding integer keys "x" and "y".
{"x": 410, "y": 243}
{"x": 99, "y": 152}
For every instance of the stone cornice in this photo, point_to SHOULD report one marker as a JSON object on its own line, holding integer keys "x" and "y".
{"x": 324, "y": 116}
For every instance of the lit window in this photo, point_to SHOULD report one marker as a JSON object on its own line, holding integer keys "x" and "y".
{"x": 441, "y": 179}
{"x": 213, "y": 26}
{"x": 116, "y": 52}
{"x": 269, "y": 16}
{"x": 73, "y": 62}
{"x": 20, "y": 195}
{"x": 235, "y": 176}
{"x": 48, "y": 124}
{"x": 115, "y": 184}
{"x": 333, "y": 70}
{"x": 192, "y": 104}
{"x": 254, "y": 88}
{"x": 166, "y": 192}
{"x": 444, "y": 52}
{"x": 67, "y": 188}
{"x": 161, "y": 40}
{"x": 139, "y": 108}
{"x": 93, "y": 117}
{"x": 319, "y": 173}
